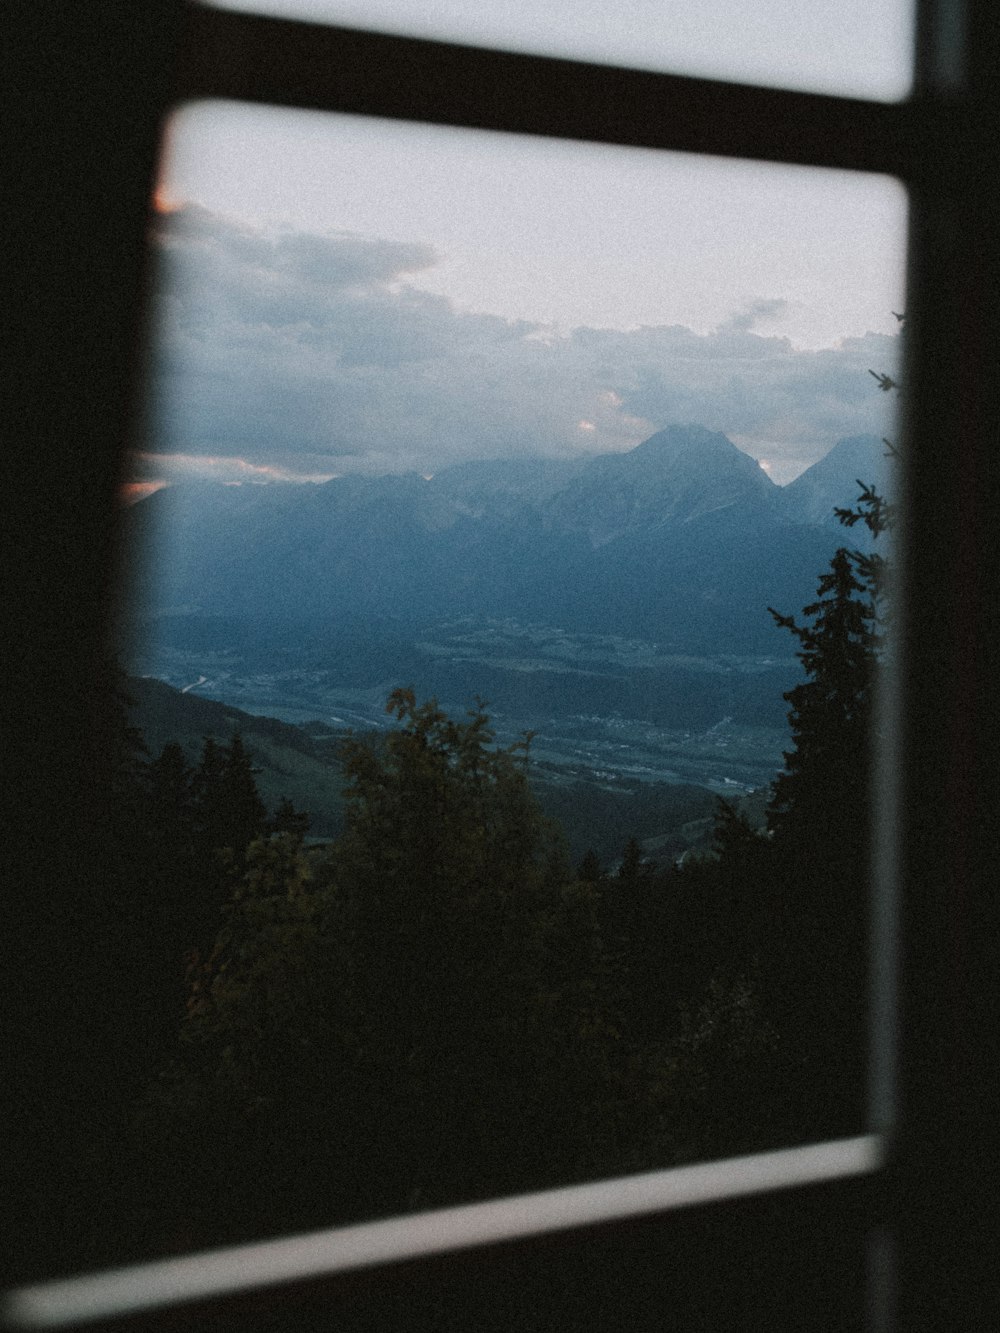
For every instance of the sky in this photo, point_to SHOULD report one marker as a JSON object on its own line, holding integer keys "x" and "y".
{"x": 342, "y": 294}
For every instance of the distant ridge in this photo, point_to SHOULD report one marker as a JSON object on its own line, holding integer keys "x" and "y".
{"x": 683, "y": 539}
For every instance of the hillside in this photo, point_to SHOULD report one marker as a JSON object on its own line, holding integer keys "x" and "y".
{"x": 288, "y": 761}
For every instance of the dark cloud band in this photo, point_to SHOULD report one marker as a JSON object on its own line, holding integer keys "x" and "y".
{"x": 304, "y": 355}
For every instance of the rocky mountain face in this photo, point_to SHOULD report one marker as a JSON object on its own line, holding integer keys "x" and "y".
{"x": 834, "y": 481}
{"x": 684, "y": 539}
{"x": 674, "y": 478}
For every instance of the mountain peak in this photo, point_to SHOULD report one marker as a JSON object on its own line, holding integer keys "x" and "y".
{"x": 696, "y": 450}
{"x": 677, "y": 476}
{"x": 678, "y": 439}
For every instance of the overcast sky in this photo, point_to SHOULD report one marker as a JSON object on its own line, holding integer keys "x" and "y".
{"x": 341, "y": 294}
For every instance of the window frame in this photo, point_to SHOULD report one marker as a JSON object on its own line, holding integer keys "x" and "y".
{"x": 90, "y": 96}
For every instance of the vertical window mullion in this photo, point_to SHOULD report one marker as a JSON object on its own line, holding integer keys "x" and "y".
{"x": 947, "y": 1213}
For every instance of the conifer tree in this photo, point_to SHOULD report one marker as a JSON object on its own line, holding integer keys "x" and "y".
{"x": 228, "y": 815}
{"x": 170, "y": 780}
{"x": 822, "y": 795}
{"x": 820, "y": 819}
{"x": 229, "y": 809}
{"x": 589, "y": 868}
{"x": 631, "y": 866}
{"x": 245, "y": 812}
{"x": 286, "y": 819}
{"x": 206, "y": 788}
{"x": 825, "y": 790}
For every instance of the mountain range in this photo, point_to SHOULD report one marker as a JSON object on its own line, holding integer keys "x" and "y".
{"x": 684, "y": 540}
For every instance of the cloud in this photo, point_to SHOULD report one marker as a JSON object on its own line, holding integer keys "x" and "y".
{"x": 756, "y": 312}
{"x": 297, "y": 356}
{"x": 163, "y": 469}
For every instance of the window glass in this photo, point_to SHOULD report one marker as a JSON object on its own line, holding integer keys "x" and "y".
{"x": 547, "y": 425}
{"x": 855, "y": 48}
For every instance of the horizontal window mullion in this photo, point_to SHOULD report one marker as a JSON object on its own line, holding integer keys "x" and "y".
{"x": 249, "y": 57}
{"x": 322, "y": 1255}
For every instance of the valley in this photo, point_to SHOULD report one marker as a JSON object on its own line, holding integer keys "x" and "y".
{"x": 601, "y": 707}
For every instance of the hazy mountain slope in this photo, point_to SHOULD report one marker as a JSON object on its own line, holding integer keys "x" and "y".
{"x": 498, "y": 486}
{"x": 833, "y": 481}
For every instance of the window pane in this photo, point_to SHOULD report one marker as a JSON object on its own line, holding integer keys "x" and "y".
{"x": 552, "y": 425}
{"x": 854, "y": 48}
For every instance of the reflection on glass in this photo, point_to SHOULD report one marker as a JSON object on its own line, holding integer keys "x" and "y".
{"x": 440, "y": 417}
{"x": 861, "y": 48}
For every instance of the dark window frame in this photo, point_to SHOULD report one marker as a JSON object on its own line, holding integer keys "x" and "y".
{"x": 89, "y": 96}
